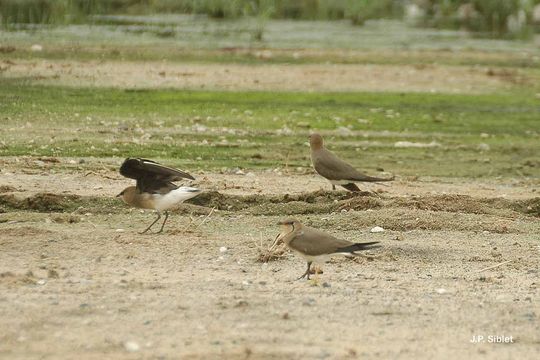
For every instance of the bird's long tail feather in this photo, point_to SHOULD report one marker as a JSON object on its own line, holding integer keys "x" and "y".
{"x": 360, "y": 247}
{"x": 366, "y": 178}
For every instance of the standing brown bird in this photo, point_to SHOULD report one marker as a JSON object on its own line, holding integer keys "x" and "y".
{"x": 315, "y": 245}
{"x": 337, "y": 171}
{"x": 154, "y": 189}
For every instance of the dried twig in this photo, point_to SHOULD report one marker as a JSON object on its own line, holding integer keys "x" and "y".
{"x": 189, "y": 224}
{"x": 287, "y": 164}
{"x": 91, "y": 223}
{"x": 494, "y": 266}
{"x": 206, "y": 218}
{"x": 202, "y": 222}
{"x": 275, "y": 251}
{"x": 77, "y": 210}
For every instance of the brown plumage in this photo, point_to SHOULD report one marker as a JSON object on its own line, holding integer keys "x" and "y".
{"x": 313, "y": 244}
{"x": 155, "y": 188}
{"x": 337, "y": 171}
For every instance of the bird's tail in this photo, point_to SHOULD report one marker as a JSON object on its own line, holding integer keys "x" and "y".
{"x": 366, "y": 178}
{"x": 360, "y": 247}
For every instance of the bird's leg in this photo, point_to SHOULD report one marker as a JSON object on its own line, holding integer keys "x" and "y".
{"x": 164, "y": 221}
{"x": 152, "y": 224}
{"x": 333, "y": 187}
{"x": 306, "y": 274}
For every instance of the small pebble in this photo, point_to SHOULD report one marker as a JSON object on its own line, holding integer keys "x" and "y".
{"x": 377, "y": 229}
{"x": 223, "y": 249}
{"x": 131, "y": 346}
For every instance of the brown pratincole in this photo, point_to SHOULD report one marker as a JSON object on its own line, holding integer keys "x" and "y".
{"x": 315, "y": 245}
{"x": 155, "y": 189}
{"x": 337, "y": 171}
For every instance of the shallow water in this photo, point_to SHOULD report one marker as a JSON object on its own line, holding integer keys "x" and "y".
{"x": 200, "y": 32}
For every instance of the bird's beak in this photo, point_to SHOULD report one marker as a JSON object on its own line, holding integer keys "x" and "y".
{"x": 119, "y": 195}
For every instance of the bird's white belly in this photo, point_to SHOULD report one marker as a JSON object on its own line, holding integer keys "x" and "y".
{"x": 340, "y": 182}
{"x": 321, "y": 259}
{"x": 167, "y": 201}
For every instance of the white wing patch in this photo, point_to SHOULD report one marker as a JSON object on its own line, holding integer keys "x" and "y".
{"x": 174, "y": 197}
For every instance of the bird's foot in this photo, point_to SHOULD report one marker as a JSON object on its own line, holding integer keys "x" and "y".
{"x": 305, "y": 275}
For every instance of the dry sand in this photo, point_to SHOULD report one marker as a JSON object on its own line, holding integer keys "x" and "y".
{"x": 279, "y": 77}
{"x": 87, "y": 285}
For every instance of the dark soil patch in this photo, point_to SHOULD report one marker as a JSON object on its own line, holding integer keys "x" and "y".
{"x": 6, "y": 189}
{"x": 41, "y": 202}
{"x": 318, "y": 202}
{"x": 529, "y": 206}
{"x": 215, "y": 199}
{"x": 48, "y": 202}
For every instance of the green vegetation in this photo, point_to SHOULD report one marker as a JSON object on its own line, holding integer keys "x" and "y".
{"x": 468, "y": 135}
{"x": 496, "y": 18}
{"x": 59, "y": 11}
{"x": 189, "y": 39}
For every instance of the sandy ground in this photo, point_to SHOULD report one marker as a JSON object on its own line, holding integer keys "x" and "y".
{"x": 87, "y": 285}
{"x": 305, "y": 77}
{"x": 96, "y": 179}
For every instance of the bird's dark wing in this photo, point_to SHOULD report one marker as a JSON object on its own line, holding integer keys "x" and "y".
{"x": 135, "y": 168}
{"x": 151, "y": 176}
